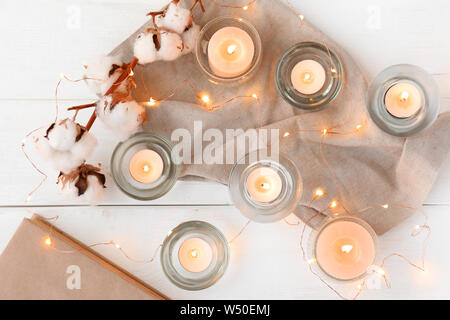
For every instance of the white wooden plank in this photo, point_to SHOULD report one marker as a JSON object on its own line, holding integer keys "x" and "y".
{"x": 37, "y": 49}
{"x": 265, "y": 260}
{"x": 41, "y": 40}
{"x": 17, "y": 177}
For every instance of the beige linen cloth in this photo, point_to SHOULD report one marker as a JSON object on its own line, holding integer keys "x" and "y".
{"x": 371, "y": 167}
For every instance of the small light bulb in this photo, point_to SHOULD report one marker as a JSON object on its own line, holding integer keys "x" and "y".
{"x": 205, "y": 98}
{"x": 245, "y": 8}
{"x": 254, "y": 96}
{"x": 358, "y": 127}
{"x": 381, "y": 272}
{"x": 324, "y": 131}
{"x": 333, "y": 70}
{"x": 117, "y": 246}
{"x": 286, "y": 134}
{"x": 131, "y": 73}
{"x": 301, "y": 17}
{"x": 152, "y": 102}
{"x": 319, "y": 192}
{"x": 311, "y": 261}
{"x": 333, "y": 204}
{"x": 48, "y": 241}
{"x": 385, "y": 206}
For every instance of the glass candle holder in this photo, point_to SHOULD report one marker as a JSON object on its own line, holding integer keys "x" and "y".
{"x": 151, "y": 148}
{"x": 344, "y": 248}
{"x": 309, "y": 75}
{"x": 229, "y": 36}
{"x": 195, "y": 255}
{"x": 403, "y": 100}
{"x": 266, "y": 190}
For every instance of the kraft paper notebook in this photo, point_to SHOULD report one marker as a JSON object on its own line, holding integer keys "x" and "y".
{"x": 30, "y": 270}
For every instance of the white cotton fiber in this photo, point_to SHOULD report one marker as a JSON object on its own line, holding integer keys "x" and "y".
{"x": 125, "y": 118}
{"x": 144, "y": 47}
{"x": 62, "y": 135}
{"x": 189, "y": 38}
{"x": 176, "y": 18}
{"x": 97, "y": 74}
{"x": 93, "y": 195}
{"x": 171, "y": 46}
{"x": 84, "y": 147}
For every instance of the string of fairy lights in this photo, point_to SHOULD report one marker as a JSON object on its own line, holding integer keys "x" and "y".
{"x": 206, "y": 103}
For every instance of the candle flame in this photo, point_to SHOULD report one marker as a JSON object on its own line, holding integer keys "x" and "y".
{"x": 146, "y": 168}
{"x": 265, "y": 186}
{"x": 404, "y": 96}
{"x": 307, "y": 77}
{"x": 194, "y": 253}
{"x": 347, "y": 248}
{"x": 231, "y": 49}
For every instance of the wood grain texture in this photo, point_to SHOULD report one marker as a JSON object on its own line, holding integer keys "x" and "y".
{"x": 43, "y": 39}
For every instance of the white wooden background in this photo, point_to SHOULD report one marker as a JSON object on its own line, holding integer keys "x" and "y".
{"x": 42, "y": 38}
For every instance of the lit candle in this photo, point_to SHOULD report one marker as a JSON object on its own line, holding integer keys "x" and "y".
{"x": 195, "y": 255}
{"x": 345, "y": 249}
{"x": 230, "y": 52}
{"x": 308, "y": 76}
{"x": 403, "y": 100}
{"x": 264, "y": 184}
{"x": 146, "y": 166}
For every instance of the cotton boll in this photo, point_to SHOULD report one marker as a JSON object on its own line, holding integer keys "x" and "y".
{"x": 62, "y": 135}
{"x": 171, "y": 46}
{"x": 175, "y": 18}
{"x": 102, "y": 72}
{"x": 68, "y": 160}
{"x": 93, "y": 195}
{"x": 190, "y": 37}
{"x": 124, "y": 118}
{"x": 85, "y": 183}
{"x": 145, "y": 47}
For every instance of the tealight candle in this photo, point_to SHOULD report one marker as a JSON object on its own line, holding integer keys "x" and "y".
{"x": 146, "y": 166}
{"x": 264, "y": 184}
{"x": 345, "y": 249}
{"x": 308, "y": 76}
{"x": 195, "y": 255}
{"x": 403, "y": 100}
{"x": 230, "y": 52}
